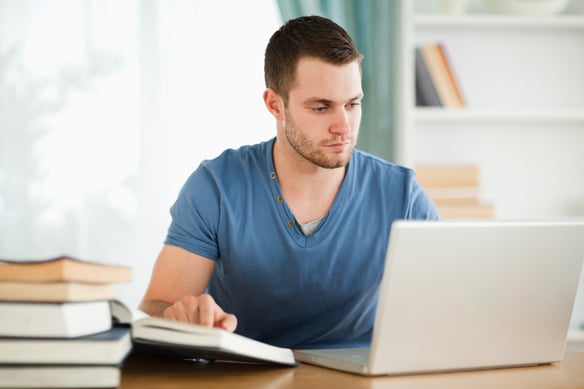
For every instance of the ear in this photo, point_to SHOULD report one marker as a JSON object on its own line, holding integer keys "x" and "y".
{"x": 274, "y": 103}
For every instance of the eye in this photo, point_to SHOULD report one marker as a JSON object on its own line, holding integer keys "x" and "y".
{"x": 354, "y": 104}
{"x": 319, "y": 109}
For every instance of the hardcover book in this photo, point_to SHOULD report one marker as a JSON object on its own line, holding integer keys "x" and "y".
{"x": 54, "y": 291}
{"x": 74, "y": 376}
{"x": 104, "y": 348}
{"x": 426, "y": 94}
{"x": 184, "y": 340}
{"x": 54, "y": 320}
{"x": 434, "y": 56}
{"x": 63, "y": 268}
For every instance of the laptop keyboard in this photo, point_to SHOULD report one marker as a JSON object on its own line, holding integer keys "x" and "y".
{"x": 358, "y": 356}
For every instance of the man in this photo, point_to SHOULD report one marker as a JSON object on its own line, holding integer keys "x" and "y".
{"x": 284, "y": 241}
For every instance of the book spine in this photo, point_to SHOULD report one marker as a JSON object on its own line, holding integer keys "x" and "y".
{"x": 441, "y": 75}
{"x": 426, "y": 95}
{"x": 450, "y": 75}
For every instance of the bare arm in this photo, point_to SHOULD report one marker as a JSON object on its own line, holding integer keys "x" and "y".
{"x": 176, "y": 290}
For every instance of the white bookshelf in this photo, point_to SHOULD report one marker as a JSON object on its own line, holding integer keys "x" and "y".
{"x": 523, "y": 123}
{"x": 522, "y": 78}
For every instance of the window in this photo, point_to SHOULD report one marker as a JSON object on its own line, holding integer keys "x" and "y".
{"x": 106, "y": 108}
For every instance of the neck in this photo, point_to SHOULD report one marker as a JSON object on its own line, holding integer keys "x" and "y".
{"x": 308, "y": 189}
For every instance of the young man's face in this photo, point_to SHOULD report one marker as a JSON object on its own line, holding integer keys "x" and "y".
{"x": 324, "y": 112}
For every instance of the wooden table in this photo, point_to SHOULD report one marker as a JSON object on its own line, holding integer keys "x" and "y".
{"x": 150, "y": 372}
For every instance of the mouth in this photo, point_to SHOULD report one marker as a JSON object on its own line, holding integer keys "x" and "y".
{"x": 338, "y": 146}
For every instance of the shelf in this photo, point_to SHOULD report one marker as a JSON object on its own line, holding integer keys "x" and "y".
{"x": 476, "y": 115}
{"x": 490, "y": 20}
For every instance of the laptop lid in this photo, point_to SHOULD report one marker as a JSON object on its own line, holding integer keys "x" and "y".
{"x": 471, "y": 295}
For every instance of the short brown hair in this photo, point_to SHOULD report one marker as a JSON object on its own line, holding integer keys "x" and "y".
{"x": 306, "y": 36}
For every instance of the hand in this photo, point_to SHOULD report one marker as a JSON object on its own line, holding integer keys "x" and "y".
{"x": 201, "y": 310}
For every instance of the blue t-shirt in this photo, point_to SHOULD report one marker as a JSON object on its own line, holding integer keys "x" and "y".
{"x": 286, "y": 288}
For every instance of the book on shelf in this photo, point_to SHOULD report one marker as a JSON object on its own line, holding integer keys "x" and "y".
{"x": 104, "y": 348}
{"x": 72, "y": 376}
{"x": 153, "y": 335}
{"x": 63, "y": 268}
{"x": 458, "y": 195}
{"x": 426, "y": 94}
{"x": 454, "y": 189}
{"x": 448, "y": 176}
{"x": 442, "y": 75}
{"x": 453, "y": 82}
{"x": 54, "y": 320}
{"x": 466, "y": 211}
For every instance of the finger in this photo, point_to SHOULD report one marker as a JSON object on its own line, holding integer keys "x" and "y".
{"x": 207, "y": 308}
{"x": 190, "y": 309}
{"x": 228, "y": 322}
{"x": 175, "y": 312}
{"x": 182, "y": 310}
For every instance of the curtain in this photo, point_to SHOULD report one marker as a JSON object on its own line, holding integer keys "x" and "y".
{"x": 373, "y": 26}
{"x": 107, "y": 106}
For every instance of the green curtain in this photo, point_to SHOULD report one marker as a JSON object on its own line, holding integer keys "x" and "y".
{"x": 372, "y": 24}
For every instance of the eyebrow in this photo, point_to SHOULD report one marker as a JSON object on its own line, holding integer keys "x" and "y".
{"x": 319, "y": 100}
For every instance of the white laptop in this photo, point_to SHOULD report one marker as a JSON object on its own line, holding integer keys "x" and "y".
{"x": 462, "y": 295}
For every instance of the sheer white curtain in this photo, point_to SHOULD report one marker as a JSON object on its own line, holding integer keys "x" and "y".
{"x": 107, "y": 106}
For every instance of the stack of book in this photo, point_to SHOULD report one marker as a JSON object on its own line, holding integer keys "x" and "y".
{"x": 455, "y": 190}
{"x": 56, "y": 328}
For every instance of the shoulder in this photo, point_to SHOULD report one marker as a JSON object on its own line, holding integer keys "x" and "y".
{"x": 394, "y": 182}
{"x": 372, "y": 167}
{"x": 241, "y": 157}
{"x": 232, "y": 170}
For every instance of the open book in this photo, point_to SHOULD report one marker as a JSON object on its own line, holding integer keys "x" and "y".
{"x": 161, "y": 336}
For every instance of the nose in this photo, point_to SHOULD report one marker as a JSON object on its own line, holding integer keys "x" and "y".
{"x": 341, "y": 123}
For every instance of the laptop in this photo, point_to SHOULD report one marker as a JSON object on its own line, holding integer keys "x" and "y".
{"x": 468, "y": 295}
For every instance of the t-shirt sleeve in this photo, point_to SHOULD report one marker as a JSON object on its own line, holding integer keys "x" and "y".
{"x": 195, "y": 215}
{"x": 421, "y": 205}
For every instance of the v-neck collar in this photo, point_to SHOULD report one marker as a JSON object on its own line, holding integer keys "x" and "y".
{"x": 285, "y": 213}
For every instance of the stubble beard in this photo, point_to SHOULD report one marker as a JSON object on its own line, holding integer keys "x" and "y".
{"x": 306, "y": 149}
